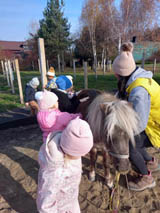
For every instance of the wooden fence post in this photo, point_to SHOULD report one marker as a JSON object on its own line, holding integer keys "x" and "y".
{"x": 42, "y": 58}
{"x": 11, "y": 76}
{"x": 7, "y": 73}
{"x": 47, "y": 65}
{"x": 104, "y": 66}
{"x": 32, "y": 65}
{"x": 74, "y": 68}
{"x": 143, "y": 58}
{"x": 154, "y": 66}
{"x": 109, "y": 65}
{"x": 3, "y": 69}
{"x": 13, "y": 65}
{"x": 85, "y": 75}
{"x": 19, "y": 81}
{"x": 39, "y": 66}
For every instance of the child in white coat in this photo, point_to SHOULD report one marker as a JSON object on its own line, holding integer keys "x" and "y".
{"x": 61, "y": 167}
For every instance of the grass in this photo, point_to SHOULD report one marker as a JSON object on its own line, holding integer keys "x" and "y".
{"x": 105, "y": 82}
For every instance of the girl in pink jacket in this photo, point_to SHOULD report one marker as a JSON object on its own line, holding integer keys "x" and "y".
{"x": 61, "y": 167}
{"x": 49, "y": 117}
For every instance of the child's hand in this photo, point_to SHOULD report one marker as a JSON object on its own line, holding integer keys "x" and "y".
{"x": 70, "y": 95}
{"x": 27, "y": 104}
{"x": 77, "y": 93}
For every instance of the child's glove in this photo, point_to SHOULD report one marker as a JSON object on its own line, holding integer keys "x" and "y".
{"x": 77, "y": 93}
{"x": 84, "y": 99}
{"x": 70, "y": 95}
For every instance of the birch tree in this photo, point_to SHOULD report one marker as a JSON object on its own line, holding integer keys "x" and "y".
{"x": 89, "y": 18}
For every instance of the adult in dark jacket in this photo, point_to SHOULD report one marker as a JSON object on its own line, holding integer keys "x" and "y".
{"x": 30, "y": 90}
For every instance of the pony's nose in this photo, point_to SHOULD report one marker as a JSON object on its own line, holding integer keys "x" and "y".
{"x": 123, "y": 166}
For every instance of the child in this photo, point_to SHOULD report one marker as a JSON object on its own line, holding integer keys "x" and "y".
{"x": 30, "y": 90}
{"x": 65, "y": 83}
{"x": 68, "y": 101}
{"x": 61, "y": 167}
{"x": 51, "y": 79}
{"x": 49, "y": 117}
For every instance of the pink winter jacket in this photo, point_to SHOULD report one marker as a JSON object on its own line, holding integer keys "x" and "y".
{"x": 54, "y": 120}
{"x": 58, "y": 180}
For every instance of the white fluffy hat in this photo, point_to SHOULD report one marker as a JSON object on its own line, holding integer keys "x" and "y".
{"x": 46, "y": 99}
{"x": 34, "y": 82}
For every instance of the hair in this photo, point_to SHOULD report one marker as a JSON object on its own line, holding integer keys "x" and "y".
{"x": 127, "y": 47}
{"x": 115, "y": 113}
{"x": 122, "y": 87}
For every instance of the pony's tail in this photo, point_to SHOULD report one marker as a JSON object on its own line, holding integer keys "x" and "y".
{"x": 122, "y": 115}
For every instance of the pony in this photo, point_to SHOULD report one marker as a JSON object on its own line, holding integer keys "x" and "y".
{"x": 113, "y": 123}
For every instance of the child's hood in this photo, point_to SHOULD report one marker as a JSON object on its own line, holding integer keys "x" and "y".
{"x": 47, "y": 118}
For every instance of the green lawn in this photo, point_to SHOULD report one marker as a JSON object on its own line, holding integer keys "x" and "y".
{"x": 105, "y": 82}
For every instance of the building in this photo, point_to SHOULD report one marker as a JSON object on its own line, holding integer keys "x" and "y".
{"x": 12, "y": 49}
{"x": 145, "y": 49}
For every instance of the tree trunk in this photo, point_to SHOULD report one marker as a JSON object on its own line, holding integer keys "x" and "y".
{"x": 71, "y": 58}
{"x": 59, "y": 64}
{"x": 143, "y": 59}
{"x": 63, "y": 61}
{"x": 102, "y": 62}
{"x": 94, "y": 57}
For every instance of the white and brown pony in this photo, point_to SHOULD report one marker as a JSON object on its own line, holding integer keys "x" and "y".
{"x": 113, "y": 123}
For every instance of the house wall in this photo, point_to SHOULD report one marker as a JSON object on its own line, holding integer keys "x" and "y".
{"x": 148, "y": 47}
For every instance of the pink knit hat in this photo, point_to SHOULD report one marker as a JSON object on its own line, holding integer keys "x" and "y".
{"x": 46, "y": 99}
{"x": 77, "y": 139}
{"x": 124, "y": 63}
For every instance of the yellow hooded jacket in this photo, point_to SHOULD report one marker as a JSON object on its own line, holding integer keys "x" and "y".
{"x": 153, "y": 126}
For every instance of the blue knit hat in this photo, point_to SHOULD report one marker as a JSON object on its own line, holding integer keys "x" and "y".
{"x": 63, "y": 82}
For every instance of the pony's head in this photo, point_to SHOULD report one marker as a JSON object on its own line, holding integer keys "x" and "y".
{"x": 114, "y": 123}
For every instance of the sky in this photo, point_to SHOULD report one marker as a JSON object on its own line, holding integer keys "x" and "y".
{"x": 16, "y": 17}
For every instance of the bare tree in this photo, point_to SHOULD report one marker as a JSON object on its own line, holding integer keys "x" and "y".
{"x": 137, "y": 16}
{"x": 89, "y": 17}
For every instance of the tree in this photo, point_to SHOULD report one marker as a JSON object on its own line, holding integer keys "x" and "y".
{"x": 100, "y": 17}
{"x": 89, "y": 18}
{"x": 83, "y": 46}
{"x": 54, "y": 28}
{"x": 137, "y": 16}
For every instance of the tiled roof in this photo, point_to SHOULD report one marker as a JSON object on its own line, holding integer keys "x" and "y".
{"x": 11, "y": 45}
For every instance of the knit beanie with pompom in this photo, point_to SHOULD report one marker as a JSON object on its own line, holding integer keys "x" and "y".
{"x": 77, "y": 139}
{"x": 124, "y": 63}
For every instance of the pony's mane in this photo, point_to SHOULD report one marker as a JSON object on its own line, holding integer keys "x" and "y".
{"x": 115, "y": 113}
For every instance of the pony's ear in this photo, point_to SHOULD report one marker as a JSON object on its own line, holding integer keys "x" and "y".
{"x": 106, "y": 108}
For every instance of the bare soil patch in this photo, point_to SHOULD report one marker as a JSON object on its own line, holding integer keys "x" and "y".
{"x": 18, "y": 179}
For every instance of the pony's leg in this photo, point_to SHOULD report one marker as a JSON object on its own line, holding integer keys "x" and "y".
{"x": 106, "y": 164}
{"x": 93, "y": 158}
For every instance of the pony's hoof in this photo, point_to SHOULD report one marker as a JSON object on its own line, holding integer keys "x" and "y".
{"x": 92, "y": 176}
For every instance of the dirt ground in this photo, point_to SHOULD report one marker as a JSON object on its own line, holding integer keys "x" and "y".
{"x": 18, "y": 179}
